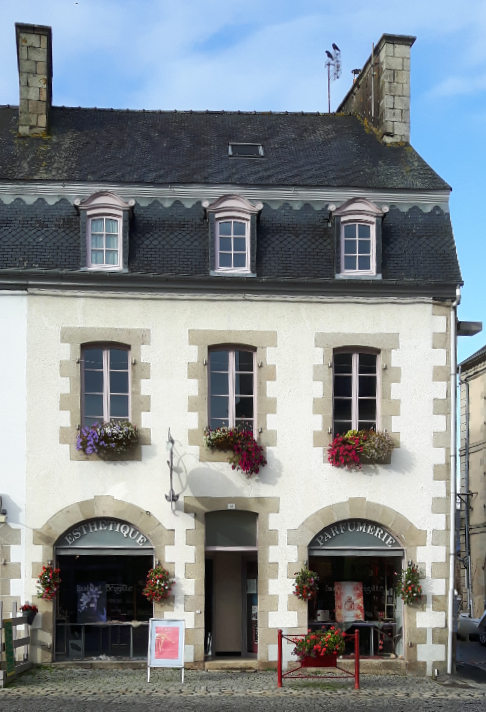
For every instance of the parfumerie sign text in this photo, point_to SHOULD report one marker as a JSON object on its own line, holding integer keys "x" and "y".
{"x": 336, "y": 530}
{"x": 125, "y": 531}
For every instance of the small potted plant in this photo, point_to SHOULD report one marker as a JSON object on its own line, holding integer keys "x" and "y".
{"x": 159, "y": 584}
{"x": 247, "y": 454}
{"x": 408, "y": 587}
{"x": 30, "y": 612}
{"x": 306, "y": 584}
{"x": 107, "y": 440}
{"x": 319, "y": 648}
{"x": 357, "y": 447}
{"x": 48, "y": 583}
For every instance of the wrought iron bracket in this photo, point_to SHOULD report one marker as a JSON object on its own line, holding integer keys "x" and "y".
{"x": 172, "y": 497}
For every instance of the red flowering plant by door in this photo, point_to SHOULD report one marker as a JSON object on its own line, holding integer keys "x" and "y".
{"x": 306, "y": 584}
{"x": 408, "y": 586}
{"x": 319, "y": 643}
{"x": 48, "y": 583}
{"x": 159, "y": 584}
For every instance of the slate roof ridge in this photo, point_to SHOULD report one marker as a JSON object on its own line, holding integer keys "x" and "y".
{"x": 189, "y": 111}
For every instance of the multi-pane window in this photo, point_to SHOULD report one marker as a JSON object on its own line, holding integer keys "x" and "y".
{"x": 232, "y": 245}
{"x": 355, "y": 391}
{"x": 357, "y": 249}
{"x": 231, "y": 388}
{"x": 106, "y": 384}
{"x": 104, "y": 250}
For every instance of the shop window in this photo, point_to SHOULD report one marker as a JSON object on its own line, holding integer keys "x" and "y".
{"x": 355, "y": 396}
{"x": 231, "y": 388}
{"x": 105, "y": 383}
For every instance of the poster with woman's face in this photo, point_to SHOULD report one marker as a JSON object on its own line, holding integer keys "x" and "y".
{"x": 348, "y": 596}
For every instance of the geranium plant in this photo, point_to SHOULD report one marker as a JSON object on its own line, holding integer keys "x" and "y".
{"x": 30, "y": 612}
{"x": 319, "y": 643}
{"x": 159, "y": 584}
{"x": 408, "y": 586}
{"x": 306, "y": 584}
{"x": 48, "y": 583}
{"x": 349, "y": 450}
{"x": 247, "y": 454}
{"x": 107, "y": 439}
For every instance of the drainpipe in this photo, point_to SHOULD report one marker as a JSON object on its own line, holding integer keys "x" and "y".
{"x": 453, "y": 476}
{"x": 466, "y": 514}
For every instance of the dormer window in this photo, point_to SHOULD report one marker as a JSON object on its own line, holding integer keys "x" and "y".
{"x": 358, "y": 237}
{"x": 104, "y": 231}
{"x": 232, "y": 232}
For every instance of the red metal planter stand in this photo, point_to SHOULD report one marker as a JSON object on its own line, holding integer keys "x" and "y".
{"x": 327, "y": 661}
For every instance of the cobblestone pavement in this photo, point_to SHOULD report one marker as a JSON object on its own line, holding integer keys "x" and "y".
{"x": 76, "y": 690}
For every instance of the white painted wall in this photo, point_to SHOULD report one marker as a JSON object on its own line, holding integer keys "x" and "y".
{"x": 296, "y": 472}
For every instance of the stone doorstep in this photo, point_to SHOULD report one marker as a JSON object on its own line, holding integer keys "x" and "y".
{"x": 231, "y": 664}
{"x": 100, "y": 664}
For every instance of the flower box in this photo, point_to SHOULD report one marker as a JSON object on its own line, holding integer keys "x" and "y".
{"x": 319, "y": 661}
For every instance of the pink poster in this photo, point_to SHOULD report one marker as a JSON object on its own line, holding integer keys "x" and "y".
{"x": 166, "y": 643}
{"x": 348, "y": 596}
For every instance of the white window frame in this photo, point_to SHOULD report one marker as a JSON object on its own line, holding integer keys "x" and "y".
{"x": 104, "y": 205}
{"x": 246, "y": 223}
{"x": 354, "y": 212}
{"x": 232, "y": 382}
{"x": 355, "y": 385}
{"x": 104, "y": 266}
{"x": 232, "y": 207}
{"x": 372, "y": 226}
{"x": 105, "y": 347}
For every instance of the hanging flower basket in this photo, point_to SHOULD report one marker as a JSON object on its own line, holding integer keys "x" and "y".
{"x": 360, "y": 446}
{"x": 48, "y": 583}
{"x": 247, "y": 454}
{"x": 320, "y": 648}
{"x": 30, "y": 612}
{"x": 408, "y": 587}
{"x": 159, "y": 584}
{"x": 306, "y": 584}
{"x": 107, "y": 439}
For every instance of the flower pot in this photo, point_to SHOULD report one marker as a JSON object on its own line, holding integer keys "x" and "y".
{"x": 30, "y": 616}
{"x": 320, "y": 661}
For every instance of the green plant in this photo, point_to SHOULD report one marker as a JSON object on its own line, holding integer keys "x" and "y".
{"x": 408, "y": 586}
{"x": 306, "y": 584}
{"x": 159, "y": 584}
{"x": 247, "y": 454}
{"x": 107, "y": 439}
{"x": 348, "y": 450}
{"x": 320, "y": 642}
{"x": 48, "y": 583}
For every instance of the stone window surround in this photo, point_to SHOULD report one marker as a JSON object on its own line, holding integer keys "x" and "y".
{"x": 204, "y": 340}
{"x": 388, "y": 374}
{"x": 408, "y": 535}
{"x": 77, "y": 337}
{"x": 263, "y": 507}
{"x": 104, "y": 506}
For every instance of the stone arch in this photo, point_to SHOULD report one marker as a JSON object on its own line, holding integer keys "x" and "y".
{"x": 99, "y": 506}
{"x": 360, "y": 508}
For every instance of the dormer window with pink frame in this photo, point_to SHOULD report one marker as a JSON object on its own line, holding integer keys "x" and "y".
{"x": 358, "y": 238}
{"x": 104, "y": 231}
{"x": 232, "y": 229}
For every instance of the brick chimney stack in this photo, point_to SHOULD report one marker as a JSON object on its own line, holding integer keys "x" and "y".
{"x": 381, "y": 93}
{"x": 34, "y": 58}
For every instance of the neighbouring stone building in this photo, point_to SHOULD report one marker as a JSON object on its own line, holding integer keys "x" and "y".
{"x": 293, "y": 271}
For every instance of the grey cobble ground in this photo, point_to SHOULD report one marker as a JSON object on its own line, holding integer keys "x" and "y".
{"x": 77, "y": 690}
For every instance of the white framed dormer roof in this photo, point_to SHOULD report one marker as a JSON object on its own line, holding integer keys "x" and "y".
{"x": 358, "y": 208}
{"x": 103, "y": 201}
{"x": 234, "y": 205}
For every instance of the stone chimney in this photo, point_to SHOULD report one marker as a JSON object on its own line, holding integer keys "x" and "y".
{"x": 381, "y": 93}
{"x": 34, "y": 57}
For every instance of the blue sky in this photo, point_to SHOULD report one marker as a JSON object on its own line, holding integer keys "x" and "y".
{"x": 269, "y": 55}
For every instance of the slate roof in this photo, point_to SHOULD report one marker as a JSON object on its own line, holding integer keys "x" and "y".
{"x": 105, "y": 145}
{"x": 475, "y": 359}
{"x": 291, "y": 244}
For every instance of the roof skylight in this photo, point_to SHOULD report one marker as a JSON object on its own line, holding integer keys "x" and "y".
{"x": 245, "y": 150}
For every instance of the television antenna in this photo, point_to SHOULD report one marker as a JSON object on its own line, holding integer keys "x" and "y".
{"x": 333, "y": 65}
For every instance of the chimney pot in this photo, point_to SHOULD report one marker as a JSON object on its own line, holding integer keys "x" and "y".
{"x": 34, "y": 58}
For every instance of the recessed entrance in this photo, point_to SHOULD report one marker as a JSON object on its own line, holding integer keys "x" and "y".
{"x": 100, "y": 609}
{"x": 231, "y": 607}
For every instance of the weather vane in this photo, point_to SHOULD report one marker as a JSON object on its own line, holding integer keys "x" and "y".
{"x": 334, "y": 61}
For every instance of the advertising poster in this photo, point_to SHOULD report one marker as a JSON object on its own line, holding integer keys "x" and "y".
{"x": 91, "y": 602}
{"x": 348, "y": 596}
{"x": 166, "y": 644}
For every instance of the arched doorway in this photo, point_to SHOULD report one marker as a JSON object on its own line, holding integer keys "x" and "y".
{"x": 358, "y": 563}
{"x": 100, "y": 609}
